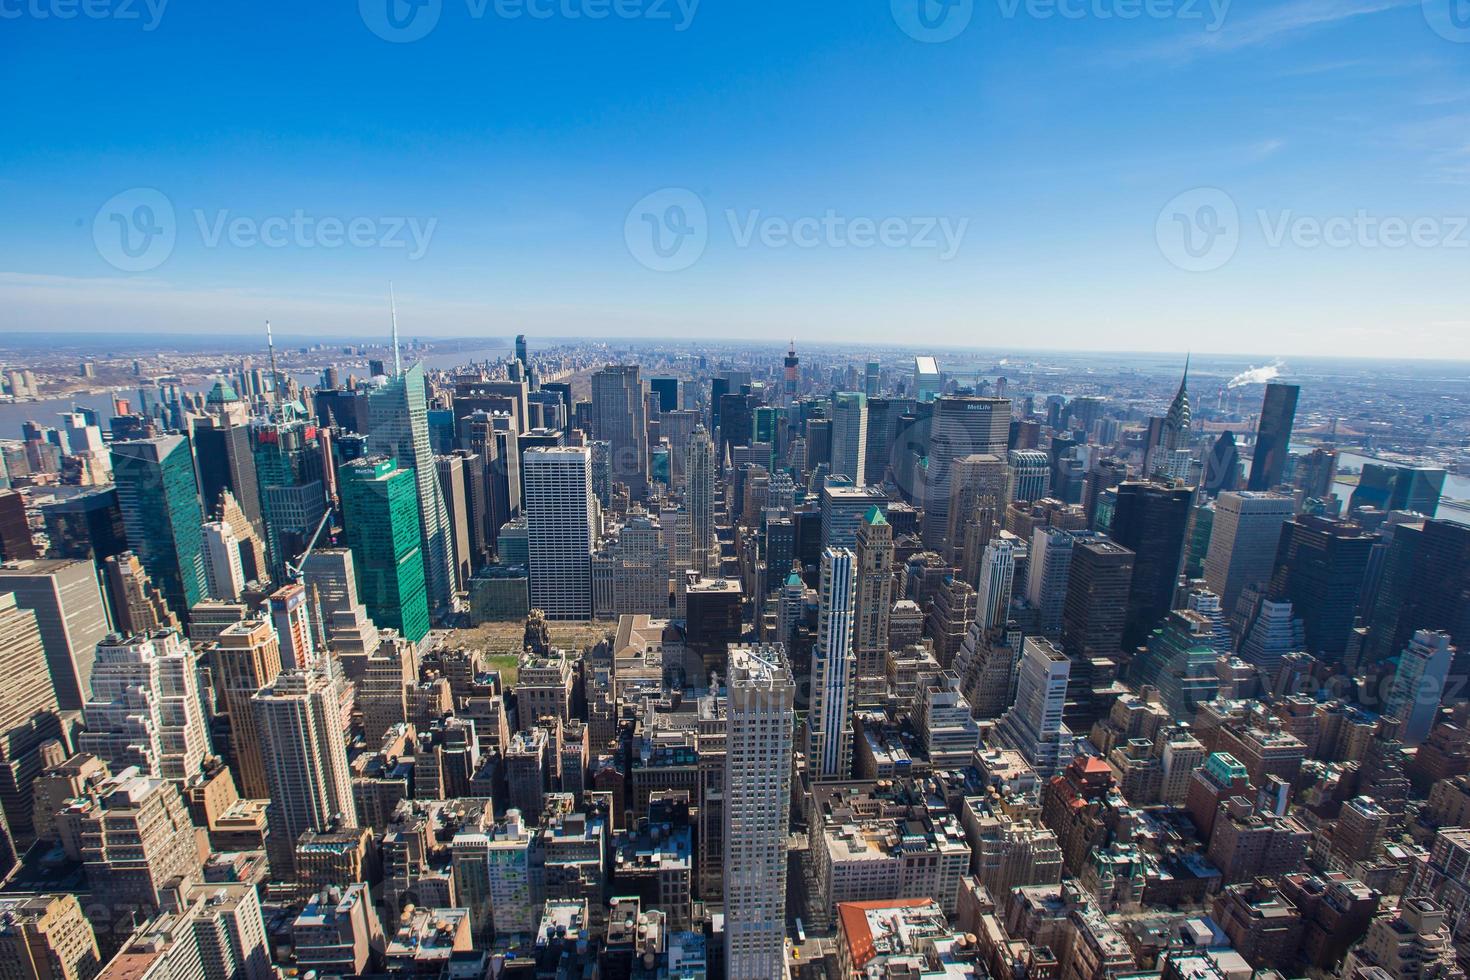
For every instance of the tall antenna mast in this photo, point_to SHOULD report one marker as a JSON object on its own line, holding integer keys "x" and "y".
{"x": 270, "y": 342}
{"x": 393, "y": 308}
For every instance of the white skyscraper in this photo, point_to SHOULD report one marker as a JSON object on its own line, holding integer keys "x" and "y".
{"x": 997, "y": 577}
{"x": 849, "y": 435}
{"x": 145, "y": 709}
{"x": 699, "y": 494}
{"x": 759, "y": 717}
{"x": 1033, "y": 725}
{"x": 224, "y": 575}
{"x": 1418, "y": 683}
{"x": 560, "y": 530}
{"x": 1243, "y": 542}
{"x": 1047, "y": 566}
{"x": 834, "y": 670}
{"x": 299, "y": 718}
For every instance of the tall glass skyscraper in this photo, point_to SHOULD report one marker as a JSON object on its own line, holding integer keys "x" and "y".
{"x": 398, "y": 411}
{"x": 381, "y": 511}
{"x": 1273, "y": 436}
{"x": 159, "y": 499}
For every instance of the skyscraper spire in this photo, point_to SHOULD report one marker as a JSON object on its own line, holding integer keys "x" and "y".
{"x": 270, "y": 343}
{"x": 393, "y": 309}
{"x": 1176, "y": 423}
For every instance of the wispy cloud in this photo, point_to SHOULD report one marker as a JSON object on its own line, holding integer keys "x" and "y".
{"x": 1266, "y": 148}
{"x": 1239, "y": 33}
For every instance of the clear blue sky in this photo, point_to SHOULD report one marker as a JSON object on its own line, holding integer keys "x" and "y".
{"x": 519, "y": 144}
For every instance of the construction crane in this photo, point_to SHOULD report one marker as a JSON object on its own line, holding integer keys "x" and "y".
{"x": 296, "y": 572}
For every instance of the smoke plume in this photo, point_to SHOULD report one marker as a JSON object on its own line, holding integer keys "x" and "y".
{"x": 1257, "y": 375}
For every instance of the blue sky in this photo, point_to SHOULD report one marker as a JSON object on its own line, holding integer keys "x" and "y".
{"x": 822, "y": 172}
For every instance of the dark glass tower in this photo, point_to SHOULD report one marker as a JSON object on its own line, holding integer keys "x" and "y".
{"x": 1273, "y": 436}
{"x": 1320, "y": 564}
{"x": 160, "y": 507}
{"x": 1151, "y": 520}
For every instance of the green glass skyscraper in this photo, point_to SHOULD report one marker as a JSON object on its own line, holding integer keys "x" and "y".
{"x": 159, "y": 499}
{"x": 381, "y": 510}
{"x": 397, "y": 410}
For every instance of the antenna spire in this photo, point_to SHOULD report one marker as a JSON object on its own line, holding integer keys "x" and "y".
{"x": 393, "y": 308}
{"x": 270, "y": 342}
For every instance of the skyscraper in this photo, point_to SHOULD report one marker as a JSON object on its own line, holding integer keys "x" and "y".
{"x": 1033, "y": 724}
{"x": 1243, "y": 541}
{"x": 1174, "y": 433}
{"x": 223, "y": 572}
{"x": 290, "y": 468}
{"x": 299, "y": 720}
{"x": 226, "y": 462}
{"x": 28, "y": 715}
{"x": 618, "y": 418}
{"x": 1273, "y": 436}
{"x": 16, "y": 543}
{"x": 873, "y": 594}
{"x": 245, "y": 657}
{"x": 978, "y": 480}
{"x": 833, "y": 671}
{"x": 160, "y": 508}
{"x": 1320, "y": 564}
{"x": 1150, "y": 519}
{"x": 380, "y": 510}
{"x": 997, "y": 576}
{"x": 850, "y": 435}
{"x": 699, "y": 498}
{"x": 1425, "y": 583}
{"x": 400, "y": 429}
{"x": 1095, "y": 609}
{"x": 88, "y": 525}
{"x": 961, "y": 425}
{"x": 1387, "y": 487}
{"x": 1418, "y": 683}
{"x": 1048, "y": 565}
{"x": 760, "y": 712}
{"x": 145, "y": 709}
{"x": 1030, "y": 475}
{"x": 290, "y": 617}
{"x": 71, "y": 615}
{"x": 560, "y": 530}
{"x": 137, "y": 605}
{"x": 454, "y": 485}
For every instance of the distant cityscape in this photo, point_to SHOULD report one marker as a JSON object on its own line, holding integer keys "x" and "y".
{"x": 685, "y": 659}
